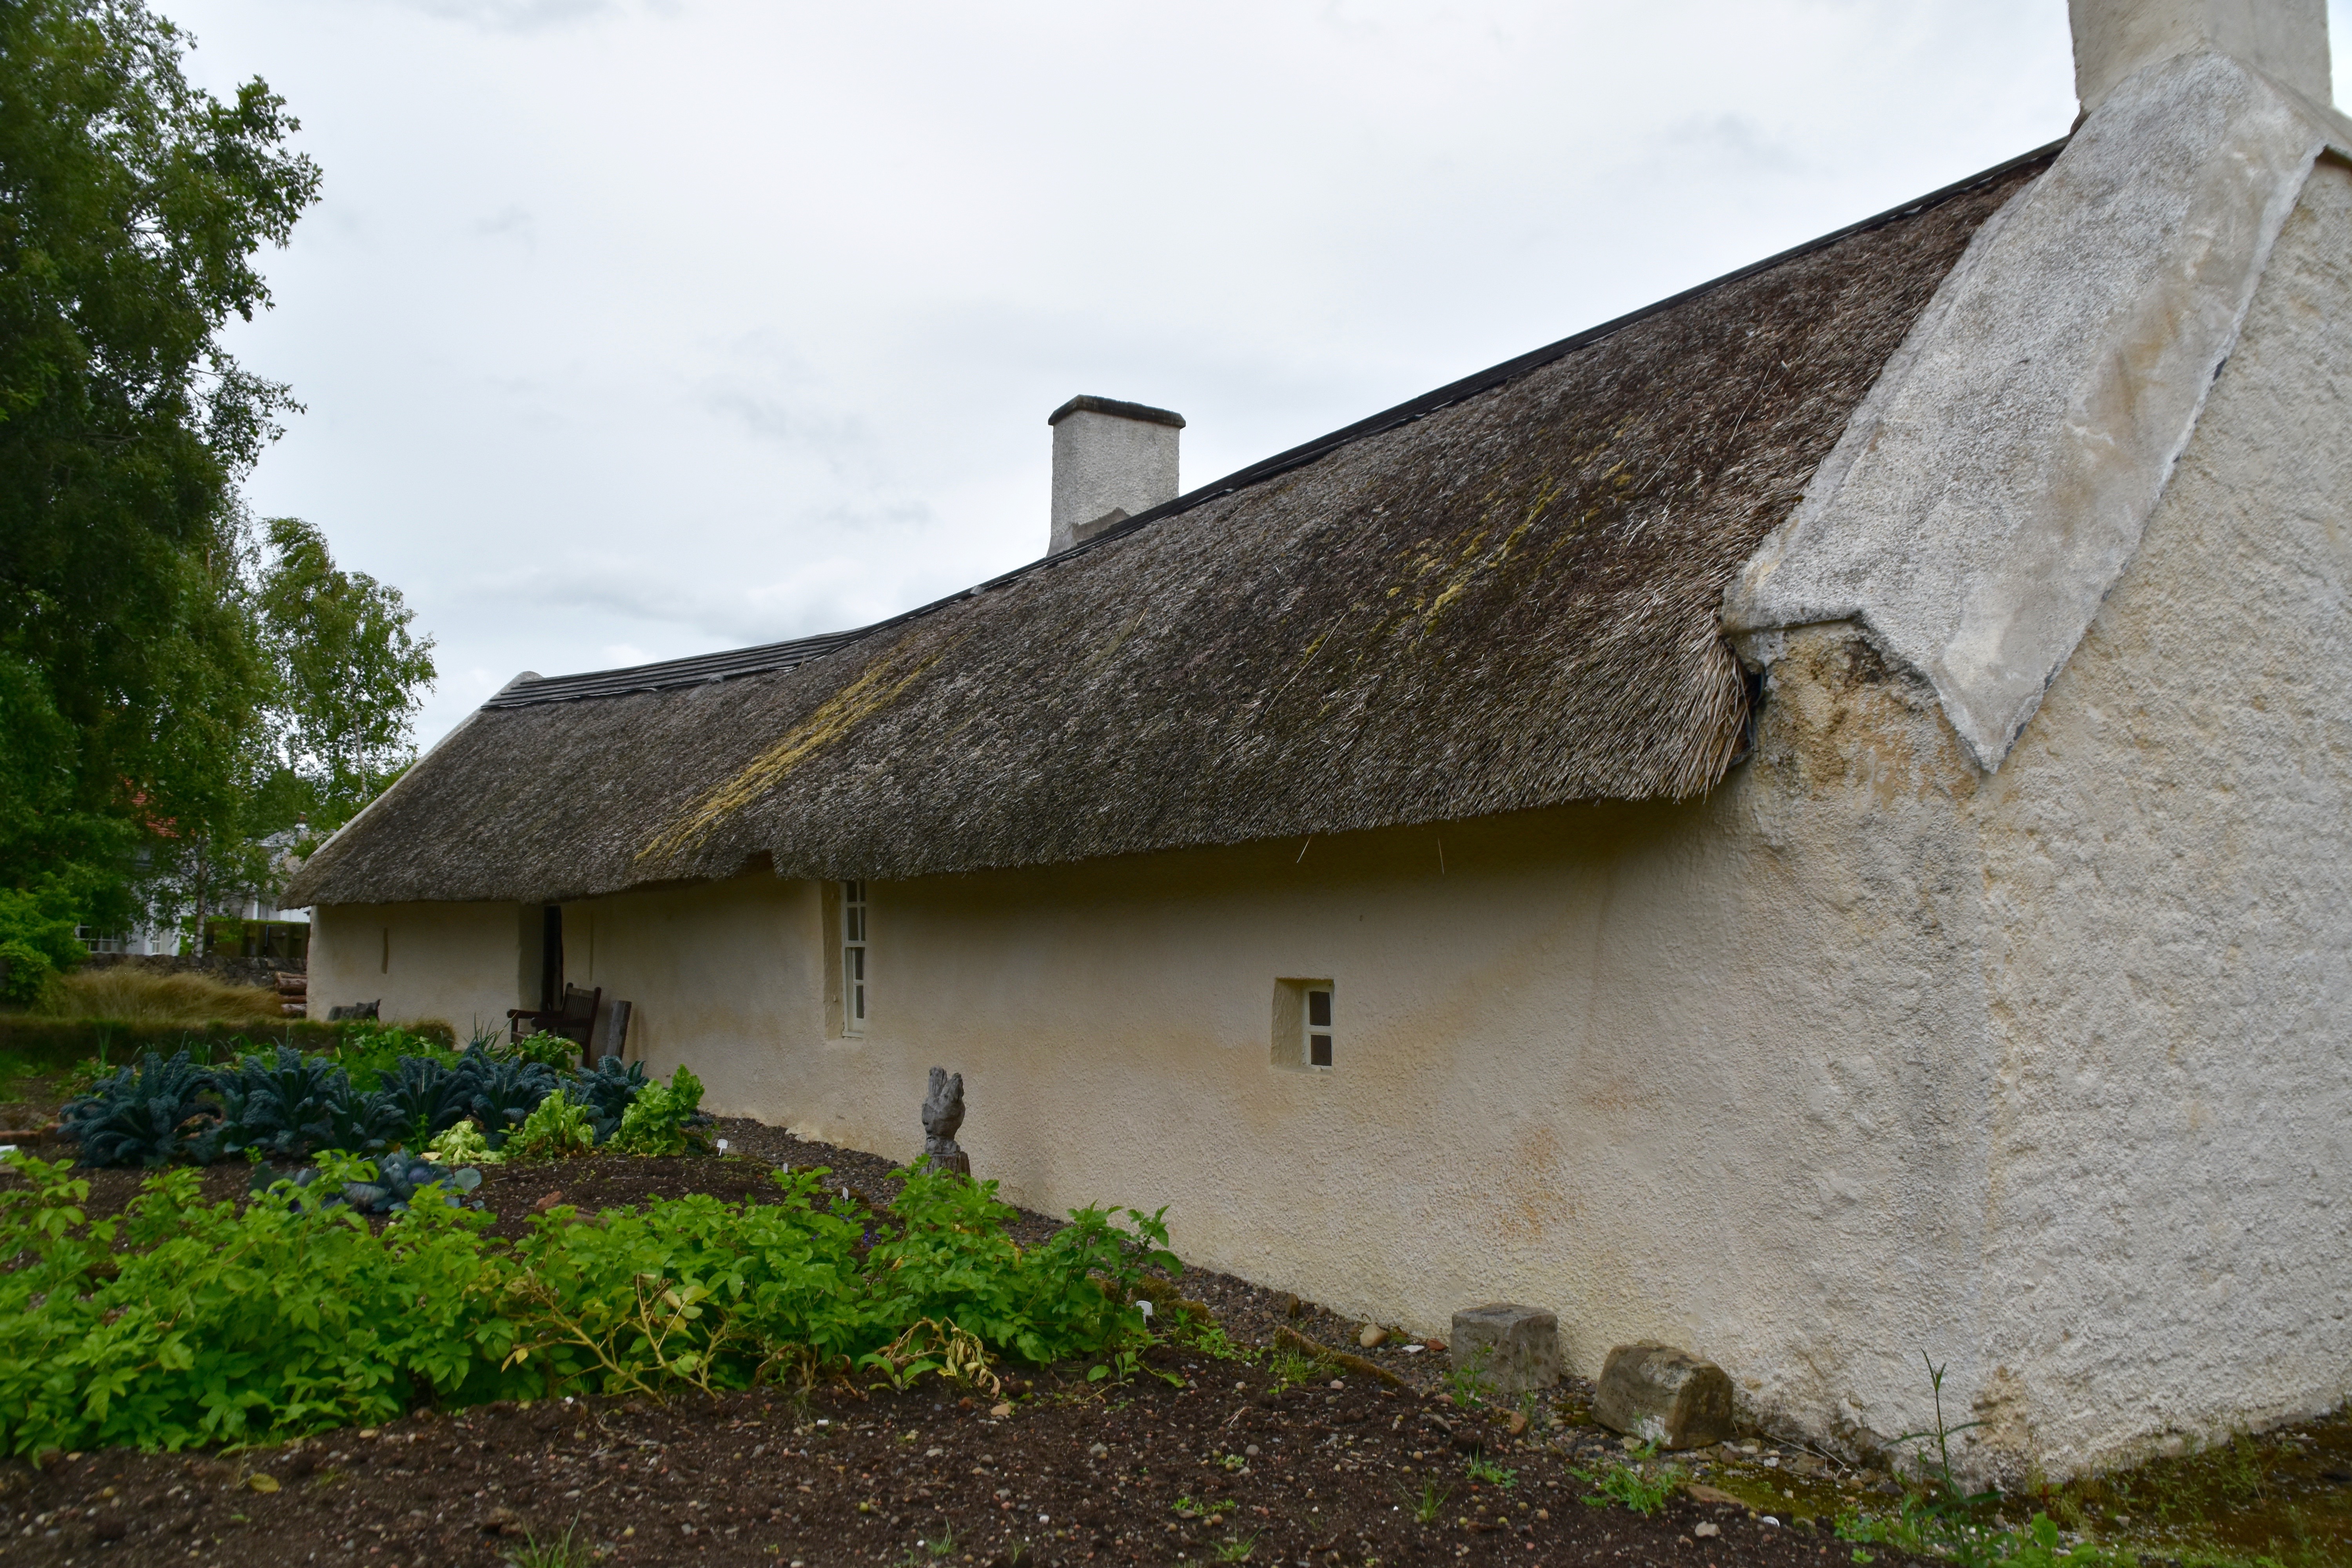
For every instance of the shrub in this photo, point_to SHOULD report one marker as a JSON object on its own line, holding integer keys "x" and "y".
{"x": 370, "y": 1051}
{"x": 953, "y": 1262}
{"x": 558, "y": 1130}
{"x": 150, "y": 1114}
{"x": 664, "y": 1119}
{"x": 132, "y": 994}
{"x": 37, "y": 938}
{"x": 56, "y": 1043}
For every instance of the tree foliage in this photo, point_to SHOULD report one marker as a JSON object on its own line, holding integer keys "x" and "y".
{"x": 345, "y": 672}
{"x": 131, "y": 206}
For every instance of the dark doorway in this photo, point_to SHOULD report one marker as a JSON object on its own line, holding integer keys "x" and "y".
{"x": 551, "y": 959}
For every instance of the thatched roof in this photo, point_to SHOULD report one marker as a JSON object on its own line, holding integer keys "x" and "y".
{"x": 1502, "y": 596}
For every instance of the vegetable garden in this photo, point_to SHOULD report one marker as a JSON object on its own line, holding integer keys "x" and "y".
{"x": 185, "y": 1321}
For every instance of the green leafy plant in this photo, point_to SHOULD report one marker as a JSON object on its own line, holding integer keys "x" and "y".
{"x": 558, "y": 1130}
{"x": 1486, "y": 1472}
{"x": 663, "y": 1118}
{"x": 553, "y": 1052}
{"x": 1940, "y": 1517}
{"x": 607, "y": 1091}
{"x": 371, "y": 1052}
{"x": 1470, "y": 1384}
{"x": 463, "y": 1145}
{"x": 1235, "y": 1549}
{"x": 286, "y": 1106}
{"x": 227, "y": 1324}
{"x": 1643, "y": 1489}
{"x": 500, "y": 1093}
{"x": 426, "y": 1096}
{"x": 391, "y": 1185}
{"x": 152, "y": 1114}
{"x": 1292, "y": 1367}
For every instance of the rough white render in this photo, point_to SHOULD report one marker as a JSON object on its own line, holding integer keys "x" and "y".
{"x": 1995, "y": 483}
{"x": 2116, "y": 39}
{"x": 1104, "y": 462}
{"x": 2167, "y": 867}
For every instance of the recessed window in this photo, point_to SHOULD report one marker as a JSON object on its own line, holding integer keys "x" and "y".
{"x": 1305, "y": 1024}
{"x": 852, "y": 958}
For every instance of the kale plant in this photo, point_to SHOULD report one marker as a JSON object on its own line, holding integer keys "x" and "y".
{"x": 607, "y": 1093}
{"x": 500, "y": 1091}
{"x": 390, "y": 1184}
{"x": 284, "y": 1107}
{"x": 426, "y": 1096}
{"x": 150, "y": 1114}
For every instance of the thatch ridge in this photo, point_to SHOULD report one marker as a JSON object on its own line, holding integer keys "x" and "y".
{"x": 1487, "y": 600}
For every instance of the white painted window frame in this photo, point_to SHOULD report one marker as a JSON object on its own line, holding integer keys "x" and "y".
{"x": 855, "y": 971}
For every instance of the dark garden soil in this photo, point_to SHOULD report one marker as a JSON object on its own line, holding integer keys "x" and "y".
{"x": 1070, "y": 1474}
{"x": 1059, "y": 1470}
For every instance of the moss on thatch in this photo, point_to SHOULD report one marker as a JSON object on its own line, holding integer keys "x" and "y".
{"x": 1504, "y": 598}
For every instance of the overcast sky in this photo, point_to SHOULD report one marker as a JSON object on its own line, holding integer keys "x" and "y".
{"x": 632, "y": 329}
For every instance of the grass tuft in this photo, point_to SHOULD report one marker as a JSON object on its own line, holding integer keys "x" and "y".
{"x": 126, "y": 994}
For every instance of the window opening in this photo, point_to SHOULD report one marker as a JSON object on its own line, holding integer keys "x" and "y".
{"x": 1318, "y": 1029}
{"x": 852, "y": 958}
{"x": 550, "y": 958}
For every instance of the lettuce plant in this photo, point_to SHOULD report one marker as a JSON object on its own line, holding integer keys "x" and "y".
{"x": 664, "y": 1119}
{"x": 558, "y": 1130}
{"x": 463, "y": 1145}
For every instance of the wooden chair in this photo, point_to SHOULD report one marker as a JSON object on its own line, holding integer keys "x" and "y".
{"x": 575, "y": 1018}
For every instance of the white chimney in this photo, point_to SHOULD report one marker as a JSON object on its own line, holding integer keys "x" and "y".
{"x": 1111, "y": 461}
{"x": 2285, "y": 40}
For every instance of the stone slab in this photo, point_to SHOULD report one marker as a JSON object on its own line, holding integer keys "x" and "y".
{"x": 1663, "y": 1396}
{"x": 1514, "y": 1350}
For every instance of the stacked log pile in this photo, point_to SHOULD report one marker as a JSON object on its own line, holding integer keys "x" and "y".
{"x": 293, "y": 994}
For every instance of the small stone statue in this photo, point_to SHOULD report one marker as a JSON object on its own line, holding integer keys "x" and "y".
{"x": 942, "y": 1114}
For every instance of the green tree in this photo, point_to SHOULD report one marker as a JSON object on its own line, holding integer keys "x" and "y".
{"x": 133, "y": 681}
{"x": 346, "y": 673}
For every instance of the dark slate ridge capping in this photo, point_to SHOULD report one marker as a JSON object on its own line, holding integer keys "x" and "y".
{"x": 1085, "y": 403}
{"x": 686, "y": 672}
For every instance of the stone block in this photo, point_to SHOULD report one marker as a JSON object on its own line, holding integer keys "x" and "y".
{"x": 1663, "y": 1396}
{"x": 1511, "y": 1350}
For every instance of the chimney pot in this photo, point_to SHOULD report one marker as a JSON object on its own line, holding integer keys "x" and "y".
{"x": 2283, "y": 39}
{"x": 1111, "y": 461}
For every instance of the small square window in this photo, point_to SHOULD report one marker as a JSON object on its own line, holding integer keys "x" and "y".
{"x": 1303, "y": 1024}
